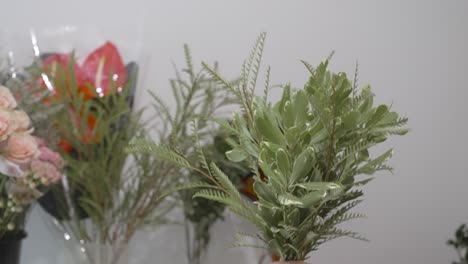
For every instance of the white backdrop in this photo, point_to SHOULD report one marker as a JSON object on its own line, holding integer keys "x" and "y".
{"x": 414, "y": 53}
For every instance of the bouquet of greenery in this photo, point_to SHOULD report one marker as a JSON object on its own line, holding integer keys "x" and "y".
{"x": 460, "y": 243}
{"x": 198, "y": 98}
{"x": 307, "y": 151}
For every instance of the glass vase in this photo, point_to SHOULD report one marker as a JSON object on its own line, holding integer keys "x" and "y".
{"x": 105, "y": 254}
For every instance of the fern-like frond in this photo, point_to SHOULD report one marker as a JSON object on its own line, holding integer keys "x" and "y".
{"x": 215, "y": 195}
{"x": 355, "y": 82}
{"x": 247, "y": 244}
{"x": 390, "y": 130}
{"x": 254, "y": 62}
{"x": 348, "y": 217}
{"x": 186, "y": 186}
{"x": 248, "y": 214}
{"x": 267, "y": 84}
{"x": 338, "y": 215}
{"x": 218, "y": 78}
{"x": 160, "y": 106}
{"x": 163, "y": 153}
{"x": 337, "y": 232}
{"x": 224, "y": 181}
{"x": 308, "y": 66}
{"x": 188, "y": 61}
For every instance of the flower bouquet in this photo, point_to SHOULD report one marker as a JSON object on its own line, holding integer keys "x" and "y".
{"x": 93, "y": 85}
{"x": 27, "y": 169}
{"x": 107, "y": 194}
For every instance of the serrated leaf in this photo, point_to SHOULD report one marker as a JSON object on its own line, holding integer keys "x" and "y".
{"x": 162, "y": 152}
{"x": 192, "y": 185}
{"x": 214, "y": 195}
{"x": 224, "y": 180}
{"x": 225, "y": 125}
{"x": 371, "y": 166}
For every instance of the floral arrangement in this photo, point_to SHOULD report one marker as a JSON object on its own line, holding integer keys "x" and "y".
{"x": 27, "y": 166}
{"x": 108, "y": 194}
{"x": 66, "y": 82}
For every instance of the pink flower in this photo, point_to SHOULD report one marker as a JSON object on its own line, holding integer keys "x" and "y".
{"x": 40, "y": 142}
{"x": 45, "y": 171}
{"x": 6, "y": 124}
{"x": 21, "y": 120}
{"x": 21, "y": 148}
{"x": 48, "y": 155}
{"x": 7, "y": 101}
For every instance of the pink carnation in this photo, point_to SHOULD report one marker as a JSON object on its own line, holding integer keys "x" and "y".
{"x": 48, "y": 155}
{"x": 40, "y": 142}
{"x": 45, "y": 171}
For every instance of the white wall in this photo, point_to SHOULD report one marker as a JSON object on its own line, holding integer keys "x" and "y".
{"x": 414, "y": 53}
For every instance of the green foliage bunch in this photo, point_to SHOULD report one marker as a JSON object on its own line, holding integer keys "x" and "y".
{"x": 198, "y": 99}
{"x": 460, "y": 243}
{"x": 306, "y": 151}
